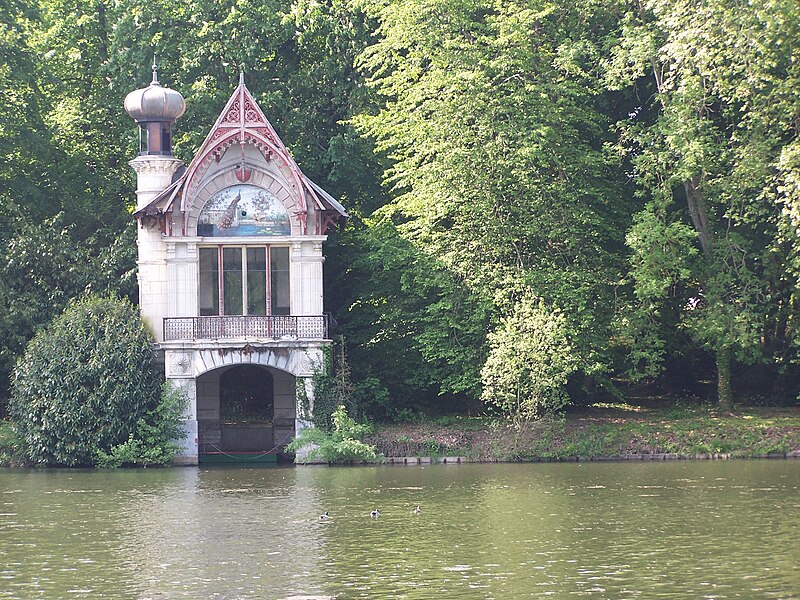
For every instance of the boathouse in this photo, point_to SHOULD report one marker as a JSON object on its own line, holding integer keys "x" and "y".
{"x": 230, "y": 273}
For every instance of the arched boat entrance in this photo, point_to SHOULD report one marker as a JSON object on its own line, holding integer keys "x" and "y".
{"x": 245, "y": 413}
{"x": 246, "y": 395}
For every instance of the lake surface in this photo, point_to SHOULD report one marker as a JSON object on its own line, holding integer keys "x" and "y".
{"x": 701, "y": 529}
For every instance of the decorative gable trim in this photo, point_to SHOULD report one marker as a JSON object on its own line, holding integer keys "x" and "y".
{"x": 242, "y": 122}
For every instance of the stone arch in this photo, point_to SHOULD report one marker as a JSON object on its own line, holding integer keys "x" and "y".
{"x": 297, "y": 361}
{"x": 220, "y": 433}
{"x": 260, "y": 177}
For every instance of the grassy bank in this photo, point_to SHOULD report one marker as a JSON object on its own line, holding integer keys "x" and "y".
{"x": 603, "y": 431}
{"x": 599, "y": 431}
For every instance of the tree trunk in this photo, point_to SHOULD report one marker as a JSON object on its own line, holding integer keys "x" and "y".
{"x": 724, "y": 394}
{"x": 698, "y": 212}
{"x": 696, "y": 204}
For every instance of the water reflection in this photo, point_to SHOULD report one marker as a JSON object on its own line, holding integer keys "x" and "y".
{"x": 701, "y": 530}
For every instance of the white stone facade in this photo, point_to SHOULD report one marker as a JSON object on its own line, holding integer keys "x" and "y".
{"x": 230, "y": 257}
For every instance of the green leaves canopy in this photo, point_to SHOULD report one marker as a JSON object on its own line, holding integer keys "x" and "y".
{"x": 84, "y": 382}
{"x": 495, "y": 127}
{"x": 634, "y": 165}
{"x": 713, "y": 152}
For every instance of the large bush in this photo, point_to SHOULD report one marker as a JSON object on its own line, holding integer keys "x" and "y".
{"x": 84, "y": 382}
{"x": 153, "y": 442}
{"x": 530, "y": 361}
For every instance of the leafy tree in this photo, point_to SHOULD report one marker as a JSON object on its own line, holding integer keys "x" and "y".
{"x": 93, "y": 137}
{"x": 414, "y": 331}
{"x": 62, "y": 207}
{"x": 495, "y": 127}
{"x": 26, "y": 150}
{"x": 333, "y": 387}
{"x": 84, "y": 382}
{"x": 42, "y": 268}
{"x": 710, "y": 253}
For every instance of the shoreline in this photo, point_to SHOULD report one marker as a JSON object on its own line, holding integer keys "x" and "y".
{"x": 621, "y": 432}
{"x": 649, "y": 430}
{"x": 452, "y": 460}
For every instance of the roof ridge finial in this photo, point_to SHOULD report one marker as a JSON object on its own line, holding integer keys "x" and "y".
{"x": 241, "y": 76}
{"x": 155, "y": 72}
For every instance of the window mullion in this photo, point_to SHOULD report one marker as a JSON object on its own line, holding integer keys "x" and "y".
{"x": 220, "y": 276}
{"x": 244, "y": 280}
{"x": 268, "y": 279}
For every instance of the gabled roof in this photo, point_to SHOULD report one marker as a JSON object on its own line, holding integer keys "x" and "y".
{"x": 241, "y": 122}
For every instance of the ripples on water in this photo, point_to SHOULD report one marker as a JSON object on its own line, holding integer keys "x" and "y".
{"x": 618, "y": 530}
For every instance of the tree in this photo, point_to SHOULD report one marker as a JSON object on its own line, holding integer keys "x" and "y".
{"x": 495, "y": 128}
{"x": 530, "y": 361}
{"x": 415, "y": 331}
{"x": 84, "y": 382}
{"x": 26, "y": 150}
{"x": 709, "y": 248}
{"x": 42, "y": 268}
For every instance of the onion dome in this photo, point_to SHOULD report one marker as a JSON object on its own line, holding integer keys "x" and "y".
{"x": 154, "y": 103}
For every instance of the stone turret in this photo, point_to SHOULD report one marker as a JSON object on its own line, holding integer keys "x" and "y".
{"x": 155, "y": 108}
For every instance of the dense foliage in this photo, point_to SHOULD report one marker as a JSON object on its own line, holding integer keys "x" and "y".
{"x": 84, "y": 382}
{"x": 342, "y": 444}
{"x": 545, "y": 195}
{"x": 530, "y": 361}
{"x": 154, "y": 440}
{"x": 713, "y": 254}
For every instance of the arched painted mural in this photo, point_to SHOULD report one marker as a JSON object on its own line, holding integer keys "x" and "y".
{"x": 243, "y": 210}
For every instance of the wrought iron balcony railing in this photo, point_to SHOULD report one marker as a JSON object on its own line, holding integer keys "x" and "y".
{"x": 251, "y": 327}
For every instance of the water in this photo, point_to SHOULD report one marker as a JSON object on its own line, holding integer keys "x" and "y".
{"x": 600, "y": 530}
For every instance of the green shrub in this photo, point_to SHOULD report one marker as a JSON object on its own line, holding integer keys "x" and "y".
{"x": 9, "y": 443}
{"x": 342, "y": 445}
{"x": 530, "y": 361}
{"x": 83, "y": 383}
{"x": 154, "y": 441}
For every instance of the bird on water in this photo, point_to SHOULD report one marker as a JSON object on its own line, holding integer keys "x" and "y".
{"x": 375, "y": 513}
{"x": 324, "y": 516}
{"x": 417, "y": 510}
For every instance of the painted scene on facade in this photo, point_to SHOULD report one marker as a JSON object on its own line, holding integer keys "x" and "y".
{"x": 243, "y": 210}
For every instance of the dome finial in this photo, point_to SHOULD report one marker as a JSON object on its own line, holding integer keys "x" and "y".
{"x": 155, "y": 108}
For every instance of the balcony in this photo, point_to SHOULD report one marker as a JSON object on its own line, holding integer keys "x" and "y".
{"x": 250, "y": 327}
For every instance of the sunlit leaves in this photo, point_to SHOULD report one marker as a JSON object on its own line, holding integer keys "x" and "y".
{"x": 495, "y": 125}
{"x": 706, "y": 148}
{"x": 531, "y": 358}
